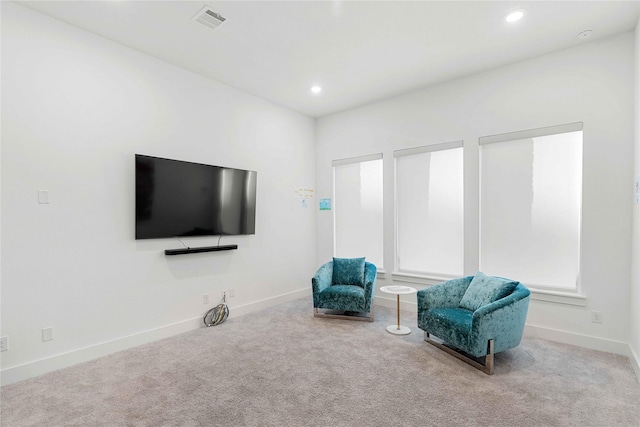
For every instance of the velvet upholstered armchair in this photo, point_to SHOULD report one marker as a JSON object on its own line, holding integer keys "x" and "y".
{"x": 345, "y": 285}
{"x": 474, "y": 317}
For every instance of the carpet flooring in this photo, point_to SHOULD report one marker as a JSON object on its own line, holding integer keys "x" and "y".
{"x": 283, "y": 367}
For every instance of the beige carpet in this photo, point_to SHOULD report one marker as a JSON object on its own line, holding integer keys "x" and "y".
{"x": 283, "y": 367}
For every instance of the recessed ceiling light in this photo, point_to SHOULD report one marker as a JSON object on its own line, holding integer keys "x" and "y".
{"x": 316, "y": 89}
{"x": 514, "y": 15}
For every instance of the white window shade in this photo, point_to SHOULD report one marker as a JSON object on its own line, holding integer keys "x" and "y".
{"x": 358, "y": 223}
{"x": 530, "y": 207}
{"x": 429, "y": 201}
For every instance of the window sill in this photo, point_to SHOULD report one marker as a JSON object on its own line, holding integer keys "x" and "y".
{"x": 418, "y": 279}
{"x": 559, "y": 297}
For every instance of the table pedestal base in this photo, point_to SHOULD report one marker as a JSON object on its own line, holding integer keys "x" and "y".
{"x": 393, "y": 329}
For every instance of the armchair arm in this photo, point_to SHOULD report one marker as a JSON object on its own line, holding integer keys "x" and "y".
{"x": 322, "y": 279}
{"x": 445, "y": 294}
{"x": 370, "y": 274}
{"x": 502, "y": 320}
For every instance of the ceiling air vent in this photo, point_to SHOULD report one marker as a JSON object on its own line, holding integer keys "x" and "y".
{"x": 209, "y": 17}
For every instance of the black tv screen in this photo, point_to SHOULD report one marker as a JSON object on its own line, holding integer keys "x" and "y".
{"x": 178, "y": 199}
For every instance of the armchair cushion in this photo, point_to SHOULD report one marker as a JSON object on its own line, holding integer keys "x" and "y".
{"x": 453, "y": 325}
{"x": 484, "y": 290}
{"x": 343, "y": 297}
{"x": 348, "y": 271}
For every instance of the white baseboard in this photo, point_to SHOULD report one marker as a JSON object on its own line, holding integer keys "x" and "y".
{"x": 53, "y": 363}
{"x": 635, "y": 362}
{"x": 49, "y": 364}
{"x": 586, "y": 341}
{"x": 268, "y": 302}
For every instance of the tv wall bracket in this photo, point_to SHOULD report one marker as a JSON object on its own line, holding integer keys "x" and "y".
{"x": 184, "y": 251}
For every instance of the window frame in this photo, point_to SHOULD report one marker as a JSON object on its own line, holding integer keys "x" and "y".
{"x": 348, "y": 161}
{"x": 549, "y": 290}
{"x": 424, "y": 277}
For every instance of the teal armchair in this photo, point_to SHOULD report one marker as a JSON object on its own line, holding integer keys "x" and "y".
{"x": 474, "y": 317}
{"x": 345, "y": 285}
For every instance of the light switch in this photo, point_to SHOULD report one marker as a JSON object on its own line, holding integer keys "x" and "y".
{"x": 43, "y": 197}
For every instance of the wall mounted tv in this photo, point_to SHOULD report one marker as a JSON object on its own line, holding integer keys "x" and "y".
{"x": 179, "y": 199}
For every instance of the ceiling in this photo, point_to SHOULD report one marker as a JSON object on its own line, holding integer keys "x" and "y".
{"x": 358, "y": 51}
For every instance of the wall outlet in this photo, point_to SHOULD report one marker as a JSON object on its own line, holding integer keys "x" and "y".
{"x": 232, "y": 292}
{"x": 596, "y": 316}
{"x": 43, "y": 197}
{"x": 47, "y": 334}
{"x": 205, "y": 299}
{"x": 4, "y": 343}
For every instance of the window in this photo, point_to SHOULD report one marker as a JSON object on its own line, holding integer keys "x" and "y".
{"x": 357, "y": 196}
{"x": 530, "y": 204}
{"x": 429, "y": 197}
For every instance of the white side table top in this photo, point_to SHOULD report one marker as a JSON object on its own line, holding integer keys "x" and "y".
{"x": 398, "y": 290}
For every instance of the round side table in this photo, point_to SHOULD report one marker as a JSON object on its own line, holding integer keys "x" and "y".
{"x": 398, "y": 290}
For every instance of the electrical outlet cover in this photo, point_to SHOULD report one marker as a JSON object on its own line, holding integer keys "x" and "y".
{"x": 47, "y": 334}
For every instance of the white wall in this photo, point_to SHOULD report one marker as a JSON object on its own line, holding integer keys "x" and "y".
{"x": 75, "y": 109}
{"x": 591, "y": 83}
{"x": 634, "y": 341}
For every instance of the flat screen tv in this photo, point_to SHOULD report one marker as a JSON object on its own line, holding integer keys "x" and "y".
{"x": 178, "y": 199}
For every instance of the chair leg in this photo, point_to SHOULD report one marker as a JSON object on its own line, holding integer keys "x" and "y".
{"x": 488, "y": 359}
{"x": 487, "y": 367}
{"x": 368, "y": 318}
